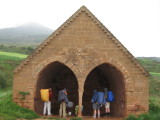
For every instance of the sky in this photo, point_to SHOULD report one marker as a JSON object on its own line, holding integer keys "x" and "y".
{"x": 135, "y": 23}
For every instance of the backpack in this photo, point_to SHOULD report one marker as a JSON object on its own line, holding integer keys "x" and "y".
{"x": 44, "y": 94}
{"x": 100, "y": 97}
{"x": 94, "y": 98}
{"x": 110, "y": 97}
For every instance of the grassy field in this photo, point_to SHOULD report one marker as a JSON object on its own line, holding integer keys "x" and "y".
{"x": 155, "y": 74}
{"x": 8, "y": 62}
{"x": 9, "y": 55}
{"x": 10, "y": 111}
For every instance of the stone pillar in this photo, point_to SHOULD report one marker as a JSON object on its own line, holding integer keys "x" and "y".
{"x": 80, "y": 102}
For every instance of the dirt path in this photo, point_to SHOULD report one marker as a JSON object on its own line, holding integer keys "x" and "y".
{"x": 84, "y": 118}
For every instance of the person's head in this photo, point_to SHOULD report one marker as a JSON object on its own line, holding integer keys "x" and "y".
{"x": 65, "y": 91}
{"x": 94, "y": 91}
{"x": 50, "y": 89}
{"x": 105, "y": 89}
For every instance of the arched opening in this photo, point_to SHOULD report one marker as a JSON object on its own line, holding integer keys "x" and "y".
{"x": 56, "y": 76}
{"x": 105, "y": 75}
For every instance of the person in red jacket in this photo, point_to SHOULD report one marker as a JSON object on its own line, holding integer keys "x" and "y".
{"x": 47, "y": 104}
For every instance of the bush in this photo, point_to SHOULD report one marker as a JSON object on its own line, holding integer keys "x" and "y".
{"x": 131, "y": 117}
{"x": 144, "y": 117}
{"x": 154, "y": 104}
{"x": 3, "y": 82}
{"x": 17, "y": 49}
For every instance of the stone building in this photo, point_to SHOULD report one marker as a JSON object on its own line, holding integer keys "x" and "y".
{"x": 82, "y": 55}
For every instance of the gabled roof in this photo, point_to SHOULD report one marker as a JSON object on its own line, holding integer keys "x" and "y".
{"x": 65, "y": 24}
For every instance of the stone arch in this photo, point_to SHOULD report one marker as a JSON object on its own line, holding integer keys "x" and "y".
{"x": 61, "y": 59}
{"x": 101, "y": 64}
{"x": 57, "y": 67}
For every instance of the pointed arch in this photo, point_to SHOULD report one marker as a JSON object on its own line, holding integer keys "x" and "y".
{"x": 105, "y": 76}
{"x": 57, "y": 76}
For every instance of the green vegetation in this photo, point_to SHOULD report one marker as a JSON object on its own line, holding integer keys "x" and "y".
{"x": 154, "y": 84}
{"x": 23, "y": 95}
{"x": 10, "y": 111}
{"x": 153, "y": 66}
{"x": 150, "y": 64}
{"x": 76, "y": 118}
{"x": 17, "y": 49}
{"x": 12, "y": 55}
{"x": 8, "y": 62}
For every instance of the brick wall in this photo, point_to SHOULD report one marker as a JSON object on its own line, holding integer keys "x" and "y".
{"x": 82, "y": 44}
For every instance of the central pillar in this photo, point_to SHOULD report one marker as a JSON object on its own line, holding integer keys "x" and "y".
{"x": 80, "y": 103}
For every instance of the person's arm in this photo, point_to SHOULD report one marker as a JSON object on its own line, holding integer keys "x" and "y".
{"x": 66, "y": 99}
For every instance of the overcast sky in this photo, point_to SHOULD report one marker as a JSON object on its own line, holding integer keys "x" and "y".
{"x": 136, "y": 23}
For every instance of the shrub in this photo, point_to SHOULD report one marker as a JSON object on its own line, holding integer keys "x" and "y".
{"x": 131, "y": 117}
{"x": 3, "y": 82}
{"x": 154, "y": 104}
{"x": 144, "y": 117}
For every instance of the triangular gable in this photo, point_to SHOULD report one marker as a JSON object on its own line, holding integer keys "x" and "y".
{"x": 65, "y": 24}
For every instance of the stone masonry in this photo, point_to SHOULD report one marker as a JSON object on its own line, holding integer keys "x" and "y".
{"x": 89, "y": 50}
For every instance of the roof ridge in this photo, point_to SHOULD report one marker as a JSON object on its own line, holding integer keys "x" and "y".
{"x": 66, "y": 23}
{"x": 118, "y": 43}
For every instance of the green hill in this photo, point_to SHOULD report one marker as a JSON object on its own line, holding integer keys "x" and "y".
{"x": 151, "y": 64}
{"x": 8, "y": 62}
{"x": 17, "y": 49}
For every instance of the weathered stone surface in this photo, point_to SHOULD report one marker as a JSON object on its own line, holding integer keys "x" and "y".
{"x": 83, "y": 55}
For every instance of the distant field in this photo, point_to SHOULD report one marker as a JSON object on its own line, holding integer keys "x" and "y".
{"x": 9, "y": 54}
{"x": 153, "y": 73}
{"x": 8, "y": 62}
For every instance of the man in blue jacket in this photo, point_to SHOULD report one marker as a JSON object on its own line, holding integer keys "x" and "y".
{"x": 63, "y": 99}
{"x": 97, "y": 100}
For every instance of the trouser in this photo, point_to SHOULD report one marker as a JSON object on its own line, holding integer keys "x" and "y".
{"x": 62, "y": 109}
{"x": 47, "y": 106}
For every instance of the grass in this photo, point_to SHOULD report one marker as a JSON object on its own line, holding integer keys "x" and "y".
{"x": 155, "y": 74}
{"x": 154, "y": 111}
{"x": 154, "y": 100}
{"x": 9, "y": 54}
{"x": 10, "y": 111}
{"x": 154, "y": 84}
{"x": 8, "y": 62}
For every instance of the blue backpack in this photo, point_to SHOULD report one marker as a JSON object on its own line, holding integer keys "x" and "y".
{"x": 100, "y": 97}
{"x": 110, "y": 97}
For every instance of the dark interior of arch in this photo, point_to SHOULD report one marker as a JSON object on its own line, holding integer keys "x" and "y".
{"x": 56, "y": 76}
{"x": 105, "y": 75}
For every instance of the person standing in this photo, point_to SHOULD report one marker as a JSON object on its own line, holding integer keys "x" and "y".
{"x": 47, "y": 104}
{"x": 107, "y": 104}
{"x": 63, "y": 99}
{"x": 95, "y": 104}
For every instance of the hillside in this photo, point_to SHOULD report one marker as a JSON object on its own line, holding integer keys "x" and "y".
{"x": 151, "y": 64}
{"x": 26, "y": 34}
{"x": 8, "y": 62}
